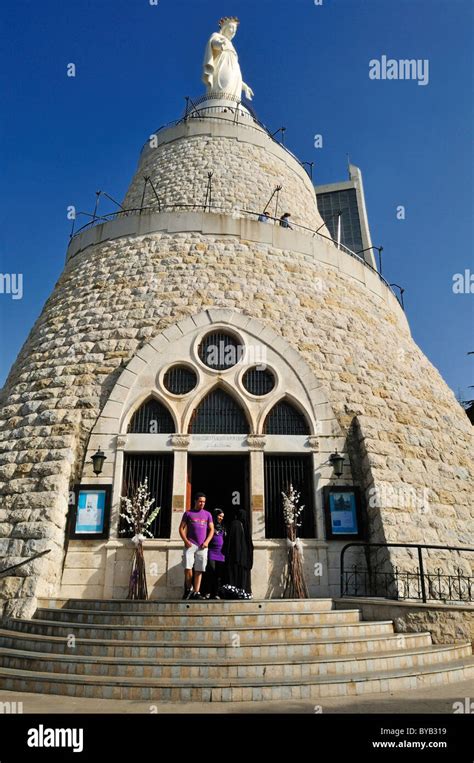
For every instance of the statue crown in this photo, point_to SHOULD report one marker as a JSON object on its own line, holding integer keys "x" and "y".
{"x": 226, "y": 19}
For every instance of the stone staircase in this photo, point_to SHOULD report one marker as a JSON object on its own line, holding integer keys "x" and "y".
{"x": 212, "y": 651}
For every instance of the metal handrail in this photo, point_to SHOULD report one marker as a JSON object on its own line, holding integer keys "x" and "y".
{"x": 221, "y": 97}
{"x": 25, "y": 561}
{"x": 418, "y": 546}
{"x": 310, "y": 230}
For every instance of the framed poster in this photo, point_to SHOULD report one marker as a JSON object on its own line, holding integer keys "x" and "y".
{"x": 342, "y": 513}
{"x": 91, "y": 511}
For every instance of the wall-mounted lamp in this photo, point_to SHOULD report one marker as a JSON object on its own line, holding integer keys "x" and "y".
{"x": 338, "y": 463}
{"x": 98, "y": 461}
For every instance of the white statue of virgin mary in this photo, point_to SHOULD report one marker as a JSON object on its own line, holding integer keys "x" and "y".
{"x": 222, "y": 73}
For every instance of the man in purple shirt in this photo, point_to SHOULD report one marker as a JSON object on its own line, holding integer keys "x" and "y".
{"x": 196, "y": 530}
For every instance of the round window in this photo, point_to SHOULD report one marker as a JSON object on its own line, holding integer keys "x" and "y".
{"x": 220, "y": 351}
{"x": 258, "y": 381}
{"x": 180, "y": 379}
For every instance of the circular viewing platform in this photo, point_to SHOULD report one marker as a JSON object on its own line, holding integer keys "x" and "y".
{"x": 244, "y": 225}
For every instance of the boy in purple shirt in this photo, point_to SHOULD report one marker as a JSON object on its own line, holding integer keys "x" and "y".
{"x": 196, "y": 530}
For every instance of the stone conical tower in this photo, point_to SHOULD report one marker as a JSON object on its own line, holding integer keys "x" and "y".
{"x": 128, "y": 322}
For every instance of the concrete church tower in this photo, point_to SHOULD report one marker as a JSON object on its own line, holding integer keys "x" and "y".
{"x": 120, "y": 347}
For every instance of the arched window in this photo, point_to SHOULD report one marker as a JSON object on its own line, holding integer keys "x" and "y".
{"x": 151, "y": 418}
{"x": 218, "y": 413}
{"x": 284, "y": 418}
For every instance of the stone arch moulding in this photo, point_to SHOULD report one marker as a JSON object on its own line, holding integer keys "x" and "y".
{"x": 138, "y": 381}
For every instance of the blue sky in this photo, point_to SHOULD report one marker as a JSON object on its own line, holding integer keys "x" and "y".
{"x": 63, "y": 138}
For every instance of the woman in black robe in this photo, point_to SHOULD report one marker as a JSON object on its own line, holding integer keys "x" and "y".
{"x": 238, "y": 552}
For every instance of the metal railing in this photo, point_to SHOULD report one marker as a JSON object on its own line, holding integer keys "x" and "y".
{"x": 25, "y": 561}
{"x": 192, "y": 105}
{"x": 370, "y": 580}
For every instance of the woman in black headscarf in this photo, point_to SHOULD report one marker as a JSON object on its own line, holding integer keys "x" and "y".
{"x": 238, "y": 551}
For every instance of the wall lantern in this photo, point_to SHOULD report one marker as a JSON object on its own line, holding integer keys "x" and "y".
{"x": 98, "y": 461}
{"x": 338, "y": 463}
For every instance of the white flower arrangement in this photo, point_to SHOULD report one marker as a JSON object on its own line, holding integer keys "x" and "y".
{"x": 136, "y": 513}
{"x": 291, "y": 509}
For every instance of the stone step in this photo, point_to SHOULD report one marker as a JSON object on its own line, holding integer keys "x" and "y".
{"x": 191, "y": 618}
{"x": 233, "y": 690}
{"x": 178, "y": 606}
{"x": 366, "y": 645}
{"x": 248, "y": 634}
{"x": 232, "y": 666}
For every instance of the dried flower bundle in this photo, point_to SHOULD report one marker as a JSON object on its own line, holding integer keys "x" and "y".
{"x": 295, "y": 584}
{"x": 136, "y": 513}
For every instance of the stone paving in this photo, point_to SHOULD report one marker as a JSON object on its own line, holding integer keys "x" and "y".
{"x": 427, "y": 700}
